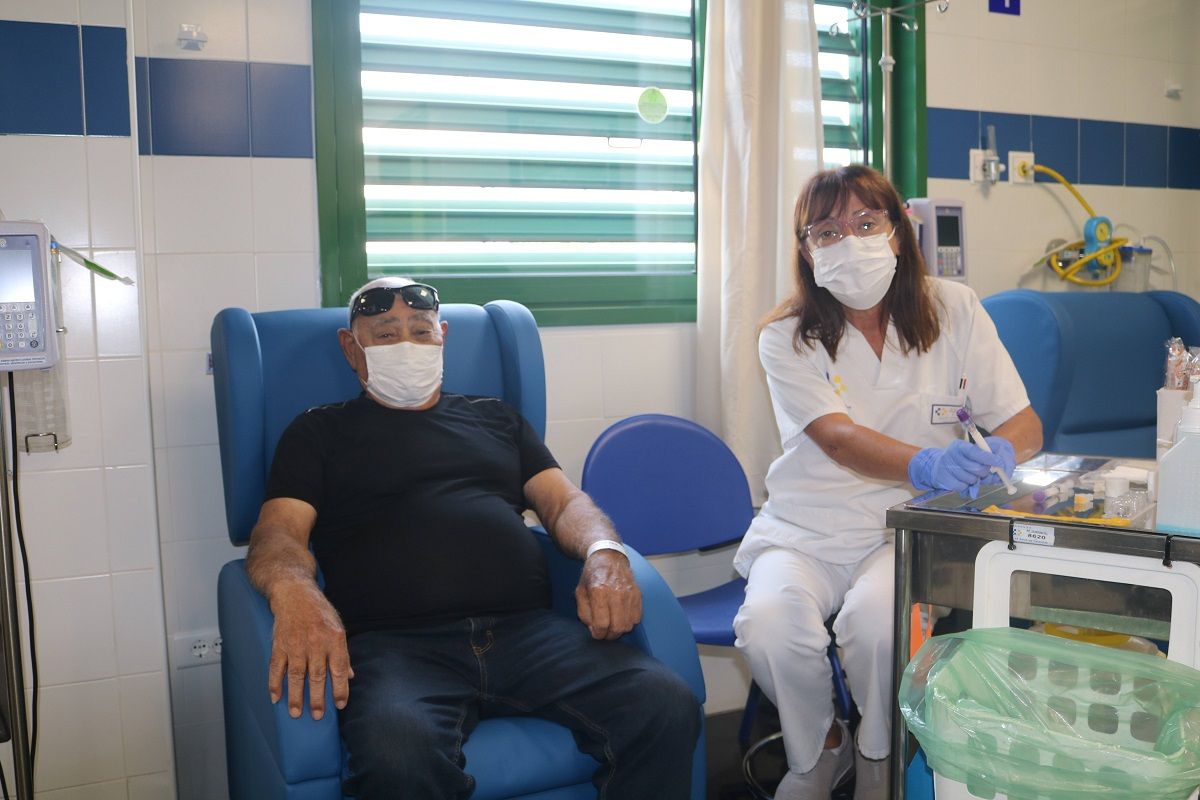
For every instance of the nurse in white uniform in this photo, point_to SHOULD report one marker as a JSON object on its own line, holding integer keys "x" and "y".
{"x": 867, "y": 364}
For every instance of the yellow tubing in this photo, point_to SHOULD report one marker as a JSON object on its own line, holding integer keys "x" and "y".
{"x": 1069, "y": 273}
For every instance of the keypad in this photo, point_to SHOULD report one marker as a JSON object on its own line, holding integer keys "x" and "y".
{"x": 19, "y": 325}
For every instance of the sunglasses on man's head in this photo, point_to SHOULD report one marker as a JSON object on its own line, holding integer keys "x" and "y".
{"x": 382, "y": 298}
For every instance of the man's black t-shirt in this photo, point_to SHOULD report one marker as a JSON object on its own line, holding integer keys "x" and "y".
{"x": 418, "y": 512}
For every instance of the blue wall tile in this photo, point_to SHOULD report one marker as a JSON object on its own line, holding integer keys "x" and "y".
{"x": 141, "y": 72}
{"x": 199, "y": 108}
{"x": 41, "y": 89}
{"x": 1056, "y": 145}
{"x": 1145, "y": 155}
{"x": 951, "y": 132}
{"x": 1101, "y": 152}
{"x": 105, "y": 81}
{"x": 281, "y": 110}
{"x": 1012, "y": 132}
{"x": 1184, "y": 159}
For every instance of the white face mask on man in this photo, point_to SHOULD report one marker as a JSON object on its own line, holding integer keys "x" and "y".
{"x": 403, "y": 375}
{"x": 858, "y": 272}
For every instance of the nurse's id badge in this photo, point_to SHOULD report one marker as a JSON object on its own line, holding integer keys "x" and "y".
{"x": 944, "y": 414}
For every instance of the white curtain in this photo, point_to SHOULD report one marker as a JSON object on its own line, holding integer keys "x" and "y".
{"x": 760, "y": 139}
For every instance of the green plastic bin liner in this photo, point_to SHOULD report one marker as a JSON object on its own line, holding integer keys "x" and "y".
{"x": 1031, "y": 716}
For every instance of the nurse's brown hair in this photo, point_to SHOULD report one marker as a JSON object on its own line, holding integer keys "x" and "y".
{"x": 909, "y": 301}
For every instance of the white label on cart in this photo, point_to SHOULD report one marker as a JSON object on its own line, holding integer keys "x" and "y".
{"x": 1028, "y": 533}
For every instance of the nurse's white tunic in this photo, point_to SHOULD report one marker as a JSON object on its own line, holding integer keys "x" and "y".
{"x": 816, "y": 505}
{"x": 818, "y": 544}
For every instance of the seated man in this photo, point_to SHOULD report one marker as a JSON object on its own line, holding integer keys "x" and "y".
{"x": 436, "y": 611}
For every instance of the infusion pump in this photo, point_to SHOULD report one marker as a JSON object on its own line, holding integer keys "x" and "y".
{"x": 28, "y": 329}
{"x": 941, "y": 235}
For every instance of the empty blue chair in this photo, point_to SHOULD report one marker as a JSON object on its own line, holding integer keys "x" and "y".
{"x": 671, "y": 486}
{"x": 267, "y": 368}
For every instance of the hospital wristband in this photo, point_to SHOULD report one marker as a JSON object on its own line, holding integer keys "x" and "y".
{"x": 605, "y": 544}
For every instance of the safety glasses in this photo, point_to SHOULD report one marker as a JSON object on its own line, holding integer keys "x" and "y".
{"x": 863, "y": 224}
{"x": 382, "y": 298}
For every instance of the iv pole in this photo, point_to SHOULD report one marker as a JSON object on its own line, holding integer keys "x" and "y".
{"x": 10, "y": 628}
{"x": 865, "y": 11}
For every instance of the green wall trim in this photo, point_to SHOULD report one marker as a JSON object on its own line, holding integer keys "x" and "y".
{"x": 909, "y": 169}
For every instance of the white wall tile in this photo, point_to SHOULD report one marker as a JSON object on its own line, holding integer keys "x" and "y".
{"x": 285, "y": 204}
{"x": 41, "y": 174}
{"x": 196, "y": 695}
{"x": 66, "y": 11}
{"x": 1054, "y": 83}
{"x": 952, "y": 64}
{"x": 280, "y": 31}
{"x": 160, "y": 786}
{"x": 961, "y": 19}
{"x": 202, "y": 205}
{"x": 193, "y": 288}
{"x": 1183, "y": 212}
{"x": 146, "y": 723}
{"x": 287, "y": 280}
{"x": 74, "y": 617}
{"x": 149, "y": 292}
{"x": 77, "y": 735}
{"x": 158, "y": 403}
{"x": 140, "y": 626}
{"x": 224, "y": 21}
{"x": 1184, "y": 32}
{"x": 570, "y": 440}
{"x": 102, "y": 12}
{"x": 1146, "y": 33}
{"x": 132, "y": 523}
{"x": 193, "y": 579}
{"x": 65, "y": 529}
{"x": 197, "y": 498}
{"x": 200, "y": 761}
{"x": 110, "y": 190}
{"x": 574, "y": 383}
{"x": 726, "y": 676}
{"x": 125, "y": 412}
{"x": 1145, "y": 91}
{"x": 162, "y": 495}
{"x": 191, "y": 410}
{"x": 83, "y": 412}
{"x": 1046, "y": 21}
{"x": 1186, "y": 111}
{"x": 80, "y": 339}
{"x": 146, "y": 204}
{"x": 109, "y": 790}
{"x": 1005, "y": 76}
{"x": 1102, "y": 86}
{"x": 648, "y": 369}
{"x": 1102, "y": 27}
{"x": 118, "y": 323}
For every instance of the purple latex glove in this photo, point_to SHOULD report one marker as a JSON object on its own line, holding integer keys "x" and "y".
{"x": 958, "y": 467}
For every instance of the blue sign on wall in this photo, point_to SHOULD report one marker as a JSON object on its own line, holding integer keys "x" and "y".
{"x": 1005, "y": 7}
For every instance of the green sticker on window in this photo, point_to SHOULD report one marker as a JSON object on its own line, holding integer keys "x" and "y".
{"x": 652, "y": 105}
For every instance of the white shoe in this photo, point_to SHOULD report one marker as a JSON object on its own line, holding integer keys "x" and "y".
{"x": 831, "y": 769}
{"x": 871, "y": 777}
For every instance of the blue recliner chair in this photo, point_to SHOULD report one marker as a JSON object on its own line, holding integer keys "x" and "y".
{"x": 267, "y": 368}
{"x": 1092, "y": 362}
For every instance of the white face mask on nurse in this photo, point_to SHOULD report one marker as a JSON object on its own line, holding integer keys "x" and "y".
{"x": 857, "y": 269}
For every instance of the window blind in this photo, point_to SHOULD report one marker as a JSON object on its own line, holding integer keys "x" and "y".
{"x": 522, "y": 139}
{"x": 840, "y": 36}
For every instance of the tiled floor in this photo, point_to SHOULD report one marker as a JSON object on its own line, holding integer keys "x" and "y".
{"x": 725, "y": 779}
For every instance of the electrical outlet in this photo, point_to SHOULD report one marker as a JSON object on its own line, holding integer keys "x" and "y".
{"x": 1016, "y": 160}
{"x": 975, "y": 165}
{"x": 196, "y": 648}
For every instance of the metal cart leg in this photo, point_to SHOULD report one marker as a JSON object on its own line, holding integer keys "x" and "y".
{"x": 900, "y": 640}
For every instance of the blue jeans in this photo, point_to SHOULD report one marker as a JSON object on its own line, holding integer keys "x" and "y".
{"x": 417, "y": 694}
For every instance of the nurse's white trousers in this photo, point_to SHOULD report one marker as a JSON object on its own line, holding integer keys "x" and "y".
{"x": 781, "y": 630}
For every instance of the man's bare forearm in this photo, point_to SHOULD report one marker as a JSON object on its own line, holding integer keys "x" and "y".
{"x": 276, "y": 562}
{"x": 578, "y": 524}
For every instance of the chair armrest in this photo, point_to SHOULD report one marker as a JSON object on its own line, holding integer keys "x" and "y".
{"x": 302, "y": 748}
{"x": 663, "y": 633}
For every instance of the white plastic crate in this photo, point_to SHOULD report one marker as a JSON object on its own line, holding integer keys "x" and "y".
{"x": 994, "y": 567}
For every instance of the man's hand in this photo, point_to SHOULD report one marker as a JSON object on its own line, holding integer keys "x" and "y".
{"x": 607, "y": 597}
{"x": 308, "y": 643}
